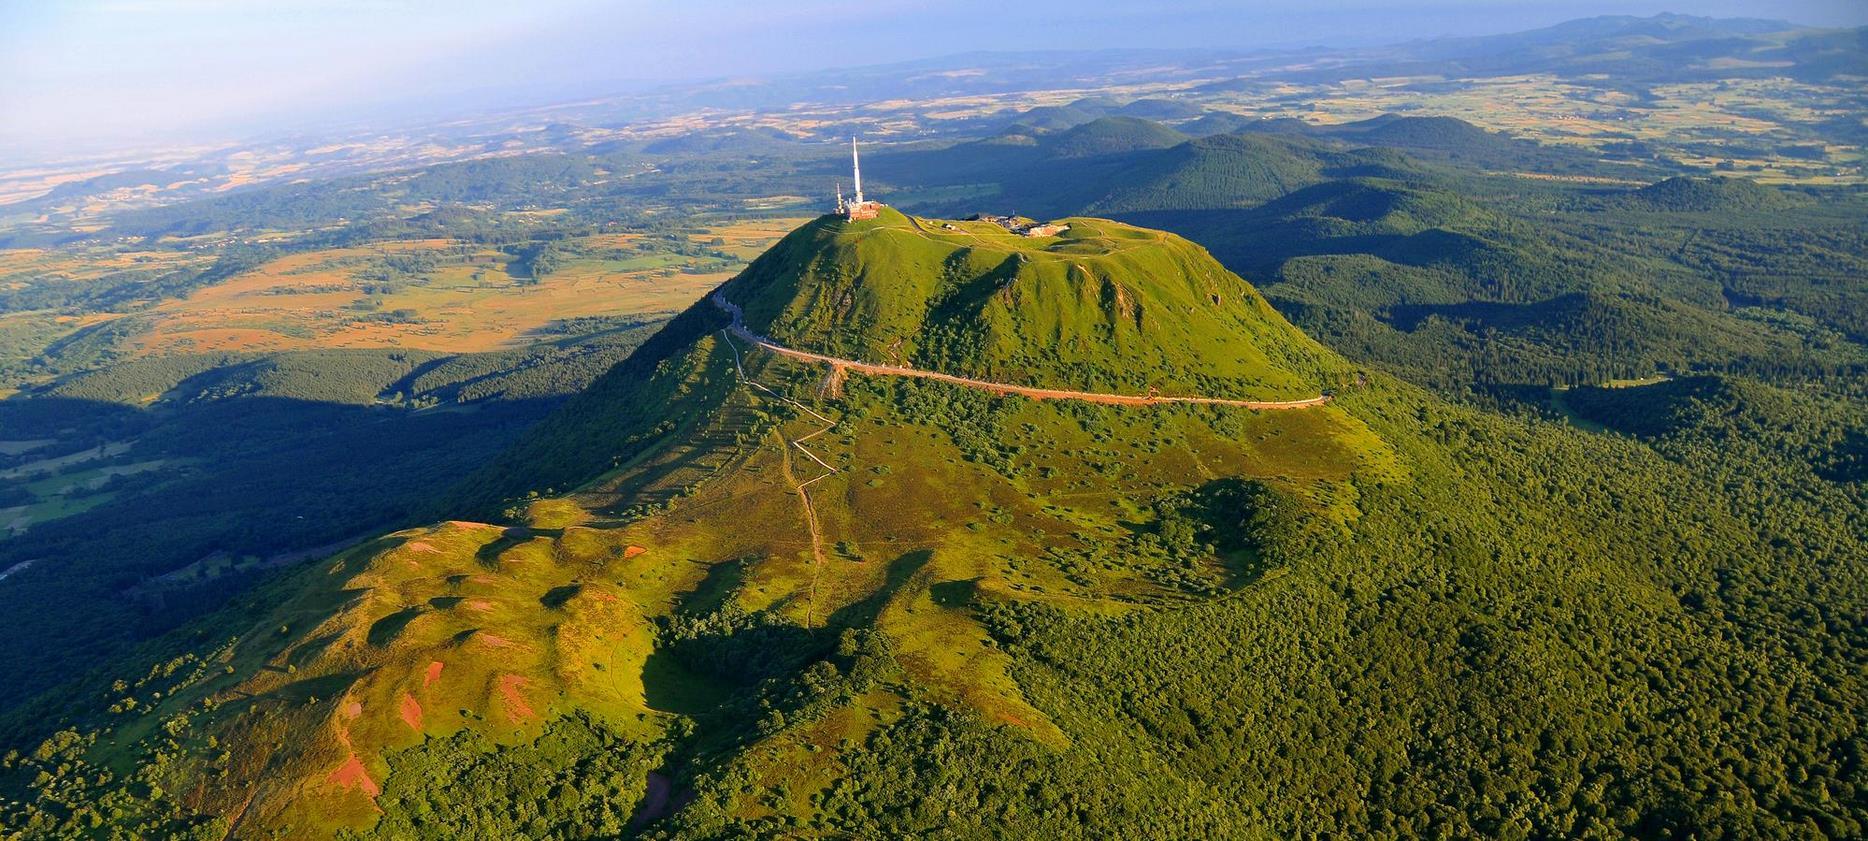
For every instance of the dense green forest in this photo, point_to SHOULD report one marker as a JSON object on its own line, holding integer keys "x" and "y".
{"x": 1592, "y": 681}
{"x": 1451, "y": 287}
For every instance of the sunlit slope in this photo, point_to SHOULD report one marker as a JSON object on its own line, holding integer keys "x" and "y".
{"x": 659, "y": 609}
{"x": 1101, "y": 307}
{"x": 765, "y": 604}
{"x": 655, "y": 618}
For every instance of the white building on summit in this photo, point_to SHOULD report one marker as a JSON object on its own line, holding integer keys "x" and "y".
{"x": 857, "y": 208}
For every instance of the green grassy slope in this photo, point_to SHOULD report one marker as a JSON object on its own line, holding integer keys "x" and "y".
{"x": 1387, "y": 617}
{"x": 175, "y": 461}
{"x": 644, "y": 610}
{"x": 1102, "y": 307}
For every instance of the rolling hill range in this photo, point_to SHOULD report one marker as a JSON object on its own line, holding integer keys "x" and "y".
{"x": 1138, "y": 165}
{"x": 767, "y": 601}
{"x": 1446, "y": 140}
{"x": 1114, "y": 165}
{"x": 1452, "y": 288}
{"x": 1619, "y": 83}
{"x": 1410, "y": 242}
{"x": 1627, "y": 48}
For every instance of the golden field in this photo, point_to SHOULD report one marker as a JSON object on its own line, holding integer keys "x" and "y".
{"x": 469, "y": 301}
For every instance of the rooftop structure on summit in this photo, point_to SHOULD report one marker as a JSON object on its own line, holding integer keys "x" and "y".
{"x": 857, "y": 207}
{"x": 1022, "y": 226}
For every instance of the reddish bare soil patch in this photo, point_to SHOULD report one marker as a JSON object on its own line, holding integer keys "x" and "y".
{"x": 479, "y": 604}
{"x": 509, "y": 686}
{"x": 434, "y": 673}
{"x": 632, "y": 551}
{"x": 422, "y": 546}
{"x": 494, "y": 641}
{"x": 351, "y": 775}
{"x": 352, "y": 709}
{"x": 411, "y": 712}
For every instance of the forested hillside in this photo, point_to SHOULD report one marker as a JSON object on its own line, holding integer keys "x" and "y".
{"x": 1452, "y": 287}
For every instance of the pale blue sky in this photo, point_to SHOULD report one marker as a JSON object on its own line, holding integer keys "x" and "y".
{"x": 122, "y": 71}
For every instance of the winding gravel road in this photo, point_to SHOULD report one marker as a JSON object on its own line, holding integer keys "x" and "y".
{"x": 739, "y": 329}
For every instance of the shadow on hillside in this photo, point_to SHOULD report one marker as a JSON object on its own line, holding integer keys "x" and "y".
{"x": 902, "y": 570}
{"x": 718, "y": 585}
{"x": 239, "y": 477}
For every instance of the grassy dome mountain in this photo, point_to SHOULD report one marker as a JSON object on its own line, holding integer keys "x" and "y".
{"x": 757, "y": 606}
{"x": 1101, "y": 307}
{"x": 747, "y": 583}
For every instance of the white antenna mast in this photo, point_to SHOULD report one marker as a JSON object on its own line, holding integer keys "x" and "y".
{"x": 856, "y": 164}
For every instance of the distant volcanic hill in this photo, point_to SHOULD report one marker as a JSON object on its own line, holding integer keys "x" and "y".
{"x": 1703, "y": 195}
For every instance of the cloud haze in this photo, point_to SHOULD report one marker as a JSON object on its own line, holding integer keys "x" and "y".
{"x": 107, "y": 72}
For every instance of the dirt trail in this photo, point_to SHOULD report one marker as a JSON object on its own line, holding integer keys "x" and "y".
{"x": 832, "y": 383}
{"x": 739, "y": 329}
{"x": 804, "y": 496}
{"x": 810, "y": 525}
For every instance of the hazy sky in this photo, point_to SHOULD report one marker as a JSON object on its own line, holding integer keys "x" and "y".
{"x": 112, "y": 72}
